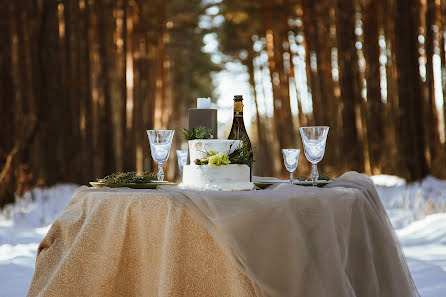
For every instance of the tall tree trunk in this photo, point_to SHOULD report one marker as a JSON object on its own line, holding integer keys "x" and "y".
{"x": 7, "y": 106}
{"x": 97, "y": 94}
{"x": 311, "y": 34}
{"x": 431, "y": 127}
{"x": 303, "y": 119}
{"x": 28, "y": 64}
{"x": 49, "y": 90}
{"x": 161, "y": 104}
{"x": 262, "y": 146}
{"x": 323, "y": 57}
{"x": 17, "y": 103}
{"x": 393, "y": 165}
{"x": 374, "y": 106}
{"x": 301, "y": 116}
{"x": 329, "y": 104}
{"x": 276, "y": 36}
{"x": 72, "y": 108}
{"x": 349, "y": 84}
{"x": 127, "y": 165}
{"x": 140, "y": 92}
{"x": 85, "y": 95}
{"x": 411, "y": 126}
{"x": 139, "y": 97}
{"x": 106, "y": 48}
{"x": 180, "y": 68}
{"x": 443, "y": 64}
{"x": 130, "y": 48}
{"x": 150, "y": 103}
{"x": 22, "y": 26}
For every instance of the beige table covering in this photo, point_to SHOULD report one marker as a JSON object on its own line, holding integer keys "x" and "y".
{"x": 288, "y": 241}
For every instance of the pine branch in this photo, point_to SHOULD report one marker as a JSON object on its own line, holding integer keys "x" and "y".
{"x": 197, "y": 133}
{"x": 242, "y": 155}
{"x": 128, "y": 178}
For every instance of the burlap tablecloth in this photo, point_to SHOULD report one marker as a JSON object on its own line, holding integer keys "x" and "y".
{"x": 287, "y": 241}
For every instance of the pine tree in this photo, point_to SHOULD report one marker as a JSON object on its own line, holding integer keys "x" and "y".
{"x": 349, "y": 83}
{"x": 375, "y": 108}
{"x": 432, "y": 133}
{"x": 410, "y": 104}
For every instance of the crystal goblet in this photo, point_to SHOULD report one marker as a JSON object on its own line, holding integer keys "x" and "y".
{"x": 291, "y": 159}
{"x": 160, "y": 143}
{"x": 314, "y": 139}
{"x": 182, "y": 158}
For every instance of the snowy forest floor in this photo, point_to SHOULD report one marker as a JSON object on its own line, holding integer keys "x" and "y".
{"x": 417, "y": 211}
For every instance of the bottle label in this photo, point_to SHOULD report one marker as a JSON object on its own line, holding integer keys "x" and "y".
{"x": 238, "y": 109}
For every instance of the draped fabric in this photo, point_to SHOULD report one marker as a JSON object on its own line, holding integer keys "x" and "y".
{"x": 283, "y": 241}
{"x": 132, "y": 243}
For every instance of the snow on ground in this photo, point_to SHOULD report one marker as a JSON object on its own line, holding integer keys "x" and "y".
{"x": 406, "y": 203}
{"x": 22, "y": 226}
{"x": 417, "y": 211}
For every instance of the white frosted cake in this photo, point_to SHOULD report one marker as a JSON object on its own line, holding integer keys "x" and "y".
{"x": 229, "y": 177}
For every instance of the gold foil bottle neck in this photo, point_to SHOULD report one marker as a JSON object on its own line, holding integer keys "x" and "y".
{"x": 238, "y": 106}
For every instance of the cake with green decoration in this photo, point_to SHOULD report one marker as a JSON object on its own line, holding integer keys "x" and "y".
{"x": 217, "y": 164}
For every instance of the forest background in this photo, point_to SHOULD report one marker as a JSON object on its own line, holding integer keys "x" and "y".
{"x": 82, "y": 80}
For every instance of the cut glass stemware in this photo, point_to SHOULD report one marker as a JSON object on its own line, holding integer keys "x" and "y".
{"x": 314, "y": 139}
{"x": 160, "y": 143}
{"x": 291, "y": 159}
{"x": 182, "y": 158}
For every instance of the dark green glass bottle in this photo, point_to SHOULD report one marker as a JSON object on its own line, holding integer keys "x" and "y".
{"x": 238, "y": 130}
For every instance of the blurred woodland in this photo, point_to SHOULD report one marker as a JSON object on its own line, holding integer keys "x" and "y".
{"x": 82, "y": 81}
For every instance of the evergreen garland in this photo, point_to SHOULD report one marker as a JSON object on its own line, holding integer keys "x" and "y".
{"x": 128, "y": 178}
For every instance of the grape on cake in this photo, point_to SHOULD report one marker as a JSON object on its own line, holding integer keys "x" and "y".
{"x": 210, "y": 167}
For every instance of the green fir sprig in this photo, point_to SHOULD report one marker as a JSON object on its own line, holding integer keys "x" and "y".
{"x": 243, "y": 155}
{"x": 197, "y": 133}
{"x": 324, "y": 177}
{"x": 321, "y": 177}
{"x": 129, "y": 178}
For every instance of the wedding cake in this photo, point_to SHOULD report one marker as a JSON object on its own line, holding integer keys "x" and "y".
{"x": 210, "y": 167}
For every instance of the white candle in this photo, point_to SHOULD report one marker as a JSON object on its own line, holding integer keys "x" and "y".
{"x": 204, "y": 103}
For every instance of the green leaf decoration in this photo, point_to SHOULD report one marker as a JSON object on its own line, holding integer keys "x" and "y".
{"x": 324, "y": 177}
{"x": 243, "y": 155}
{"x": 321, "y": 177}
{"x": 129, "y": 178}
{"x": 197, "y": 133}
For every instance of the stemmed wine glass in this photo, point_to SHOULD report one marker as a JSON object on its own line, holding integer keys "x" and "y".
{"x": 182, "y": 158}
{"x": 314, "y": 140}
{"x": 291, "y": 159}
{"x": 160, "y": 143}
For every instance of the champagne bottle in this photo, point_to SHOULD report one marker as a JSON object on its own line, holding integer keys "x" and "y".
{"x": 238, "y": 130}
